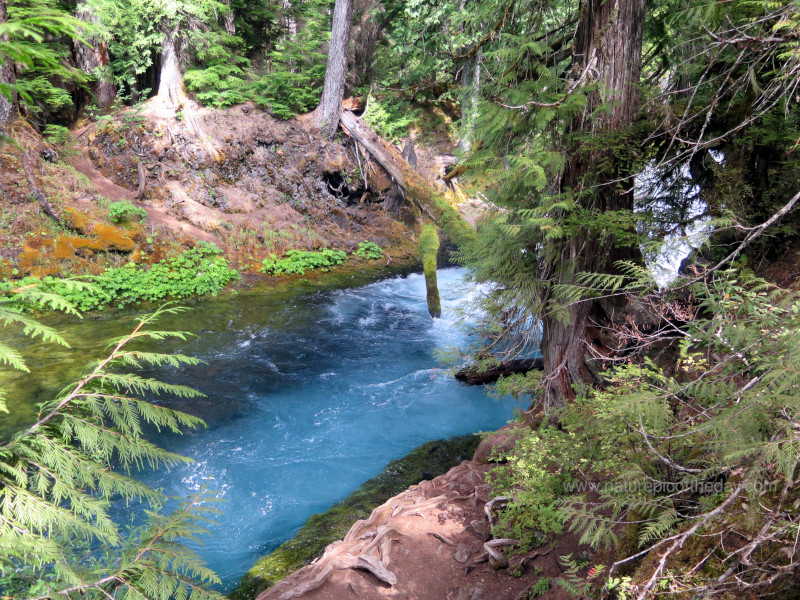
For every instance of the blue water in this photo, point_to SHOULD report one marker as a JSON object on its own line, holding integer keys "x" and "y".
{"x": 308, "y": 403}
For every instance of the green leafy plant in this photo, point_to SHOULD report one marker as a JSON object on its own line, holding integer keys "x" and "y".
{"x": 299, "y": 261}
{"x": 125, "y": 211}
{"x": 58, "y": 135}
{"x": 369, "y": 250}
{"x": 195, "y": 272}
{"x": 533, "y": 476}
{"x": 390, "y": 119}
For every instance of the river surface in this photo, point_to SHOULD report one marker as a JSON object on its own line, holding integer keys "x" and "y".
{"x": 307, "y": 397}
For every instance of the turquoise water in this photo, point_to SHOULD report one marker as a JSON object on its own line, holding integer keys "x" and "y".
{"x": 315, "y": 402}
{"x": 308, "y": 396}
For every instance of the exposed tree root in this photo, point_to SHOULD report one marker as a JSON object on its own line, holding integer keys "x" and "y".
{"x": 29, "y": 163}
{"x": 496, "y": 558}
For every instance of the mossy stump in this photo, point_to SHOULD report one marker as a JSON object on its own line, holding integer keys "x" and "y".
{"x": 428, "y": 251}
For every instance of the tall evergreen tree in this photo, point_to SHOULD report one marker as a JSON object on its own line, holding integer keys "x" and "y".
{"x": 607, "y": 53}
{"x": 8, "y": 96}
{"x": 330, "y": 104}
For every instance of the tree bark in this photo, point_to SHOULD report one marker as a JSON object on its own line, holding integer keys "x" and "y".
{"x": 608, "y": 43}
{"x": 94, "y": 60}
{"x": 8, "y": 105}
{"x": 291, "y": 22}
{"x": 330, "y": 105}
{"x": 170, "y": 85}
{"x": 228, "y": 19}
{"x": 470, "y": 85}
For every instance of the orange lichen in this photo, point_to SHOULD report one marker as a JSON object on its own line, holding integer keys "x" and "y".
{"x": 76, "y": 220}
{"x": 113, "y": 238}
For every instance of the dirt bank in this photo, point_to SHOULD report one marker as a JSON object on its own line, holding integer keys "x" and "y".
{"x": 251, "y": 184}
{"x": 432, "y": 542}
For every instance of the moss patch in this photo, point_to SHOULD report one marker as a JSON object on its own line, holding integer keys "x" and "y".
{"x": 424, "y": 462}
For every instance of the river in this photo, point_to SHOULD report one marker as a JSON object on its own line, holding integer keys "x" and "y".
{"x": 307, "y": 397}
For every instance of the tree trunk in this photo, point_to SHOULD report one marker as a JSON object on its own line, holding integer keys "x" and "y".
{"x": 330, "y": 105}
{"x": 94, "y": 60}
{"x": 470, "y": 85}
{"x": 170, "y": 85}
{"x": 228, "y": 19}
{"x": 608, "y": 43}
{"x": 8, "y": 103}
{"x": 291, "y": 22}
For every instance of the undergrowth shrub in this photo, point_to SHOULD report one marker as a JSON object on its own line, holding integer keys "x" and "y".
{"x": 284, "y": 93}
{"x": 389, "y": 119}
{"x": 219, "y": 83}
{"x": 684, "y": 462}
{"x": 535, "y": 476}
{"x": 297, "y": 262}
{"x": 369, "y": 250}
{"x": 194, "y": 272}
{"x": 125, "y": 211}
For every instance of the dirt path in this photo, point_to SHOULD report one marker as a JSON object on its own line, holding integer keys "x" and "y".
{"x": 155, "y": 216}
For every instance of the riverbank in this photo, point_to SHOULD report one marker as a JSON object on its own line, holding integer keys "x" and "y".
{"x": 433, "y": 541}
{"x": 425, "y": 462}
{"x": 120, "y": 191}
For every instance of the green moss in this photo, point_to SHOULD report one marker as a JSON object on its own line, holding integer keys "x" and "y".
{"x": 424, "y": 462}
{"x": 428, "y": 251}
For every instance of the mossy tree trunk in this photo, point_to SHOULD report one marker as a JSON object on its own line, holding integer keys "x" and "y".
{"x": 8, "y": 99}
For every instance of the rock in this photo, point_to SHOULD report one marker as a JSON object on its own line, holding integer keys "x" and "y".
{"x": 468, "y": 593}
{"x": 462, "y": 553}
{"x": 480, "y": 529}
{"x": 49, "y": 155}
{"x": 500, "y": 442}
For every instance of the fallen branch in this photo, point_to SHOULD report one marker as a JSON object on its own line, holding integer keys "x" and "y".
{"x": 29, "y": 164}
{"x": 416, "y": 187}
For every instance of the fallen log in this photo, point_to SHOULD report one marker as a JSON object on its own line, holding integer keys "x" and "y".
{"x": 471, "y": 376}
{"x": 417, "y": 188}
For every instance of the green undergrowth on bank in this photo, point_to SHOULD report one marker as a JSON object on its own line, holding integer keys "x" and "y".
{"x": 297, "y": 262}
{"x": 194, "y": 272}
{"x": 424, "y": 462}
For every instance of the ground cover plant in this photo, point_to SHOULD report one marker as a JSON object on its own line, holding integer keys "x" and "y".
{"x": 193, "y": 272}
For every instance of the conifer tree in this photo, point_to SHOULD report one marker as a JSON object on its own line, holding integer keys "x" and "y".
{"x": 330, "y": 104}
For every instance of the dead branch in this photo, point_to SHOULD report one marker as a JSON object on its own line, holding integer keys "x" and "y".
{"x": 29, "y": 163}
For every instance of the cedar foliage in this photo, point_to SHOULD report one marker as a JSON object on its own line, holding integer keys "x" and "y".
{"x": 59, "y": 475}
